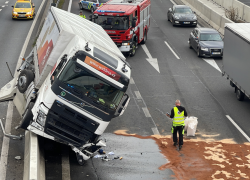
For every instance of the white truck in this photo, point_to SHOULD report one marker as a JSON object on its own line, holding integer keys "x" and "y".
{"x": 72, "y": 84}
{"x": 236, "y": 60}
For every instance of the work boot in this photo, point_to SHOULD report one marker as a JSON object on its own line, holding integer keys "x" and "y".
{"x": 180, "y": 147}
{"x": 175, "y": 143}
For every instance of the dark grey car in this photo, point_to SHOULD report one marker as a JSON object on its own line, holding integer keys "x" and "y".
{"x": 206, "y": 42}
{"x": 182, "y": 15}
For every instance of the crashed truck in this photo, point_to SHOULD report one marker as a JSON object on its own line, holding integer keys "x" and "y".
{"x": 72, "y": 83}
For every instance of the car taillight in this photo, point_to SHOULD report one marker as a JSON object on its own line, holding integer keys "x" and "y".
{"x": 97, "y": 5}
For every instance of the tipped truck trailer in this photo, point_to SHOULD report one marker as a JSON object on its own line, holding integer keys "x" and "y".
{"x": 72, "y": 84}
{"x": 126, "y": 22}
{"x": 236, "y": 60}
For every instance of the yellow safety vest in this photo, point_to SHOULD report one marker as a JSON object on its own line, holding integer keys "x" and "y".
{"x": 83, "y": 16}
{"x": 178, "y": 119}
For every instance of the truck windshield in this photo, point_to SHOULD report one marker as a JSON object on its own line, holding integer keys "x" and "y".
{"x": 83, "y": 82}
{"x": 111, "y": 22}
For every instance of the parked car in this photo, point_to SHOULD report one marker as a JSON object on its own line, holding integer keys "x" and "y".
{"x": 91, "y": 5}
{"x": 182, "y": 15}
{"x": 206, "y": 42}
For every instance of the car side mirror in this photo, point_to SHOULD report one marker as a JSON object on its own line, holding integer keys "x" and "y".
{"x": 170, "y": 10}
{"x": 33, "y": 6}
{"x": 196, "y": 38}
{"x": 12, "y": 6}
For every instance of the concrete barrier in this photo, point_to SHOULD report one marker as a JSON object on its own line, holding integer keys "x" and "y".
{"x": 240, "y": 6}
{"x": 34, "y": 164}
{"x": 246, "y": 16}
{"x": 219, "y": 2}
{"x": 228, "y": 3}
{"x": 222, "y": 24}
{"x": 215, "y": 20}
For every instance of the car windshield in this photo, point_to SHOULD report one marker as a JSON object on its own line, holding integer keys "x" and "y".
{"x": 210, "y": 37}
{"x": 103, "y": 1}
{"x": 110, "y": 22}
{"x": 22, "y": 5}
{"x": 87, "y": 84}
{"x": 183, "y": 11}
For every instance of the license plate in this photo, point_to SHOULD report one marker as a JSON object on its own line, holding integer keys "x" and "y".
{"x": 186, "y": 22}
{"x": 215, "y": 52}
{"x": 21, "y": 15}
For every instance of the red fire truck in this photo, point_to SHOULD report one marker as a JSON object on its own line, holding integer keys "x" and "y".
{"x": 126, "y": 21}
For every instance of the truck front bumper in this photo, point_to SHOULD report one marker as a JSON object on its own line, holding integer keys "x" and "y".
{"x": 124, "y": 48}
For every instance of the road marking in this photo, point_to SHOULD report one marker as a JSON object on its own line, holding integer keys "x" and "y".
{"x": 152, "y": 61}
{"x": 6, "y": 141}
{"x": 212, "y": 63}
{"x": 70, "y": 4}
{"x": 242, "y": 132}
{"x": 138, "y": 95}
{"x": 65, "y": 163}
{"x": 172, "y": 50}
{"x": 146, "y": 112}
{"x": 0, "y": 9}
{"x": 155, "y": 131}
{"x": 3, "y": 6}
{"x": 173, "y": 2}
{"x": 6, "y": 2}
{"x": 132, "y": 81}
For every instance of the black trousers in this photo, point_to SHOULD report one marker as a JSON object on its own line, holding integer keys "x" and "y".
{"x": 180, "y": 130}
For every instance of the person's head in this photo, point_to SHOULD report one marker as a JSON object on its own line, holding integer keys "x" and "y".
{"x": 177, "y": 102}
{"x": 80, "y": 12}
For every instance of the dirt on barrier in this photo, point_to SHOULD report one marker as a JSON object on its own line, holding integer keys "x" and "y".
{"x": 203, "y": 159}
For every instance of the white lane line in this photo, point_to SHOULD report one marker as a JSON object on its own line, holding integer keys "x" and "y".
{"x": 132, "y": 81}
{"x": 212, "y": 63}
{"x": 242, "y": 132}
{"x": 155, "y": 131}
{"x": 146, "y": 112}
{"x": 138, "y": 95}
{"x": 5, "y": 144}
{"x": 172, "y": 50}
{"x": 3, "y": 6}
{"x": 70, "y": 4}
{"x": 6, "y": 2}
{"x": 173, "y": 2}
{"x": 65, "y": 164}
{"x": 0, "y": 9}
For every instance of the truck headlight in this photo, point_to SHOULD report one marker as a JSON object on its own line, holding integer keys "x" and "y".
{"x": 41, "y": 118}
{"x": 125, "y": 44}
{"x": 204, "y": 49}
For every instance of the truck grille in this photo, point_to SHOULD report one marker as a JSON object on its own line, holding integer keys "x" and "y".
{"x": 67, "y": 125}
{"x": 115, "y": 36}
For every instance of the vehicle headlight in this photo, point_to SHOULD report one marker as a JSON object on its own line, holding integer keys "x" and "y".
{"x": 41, "y": 118}
{"x": 14, "y": 12}
{"x": 176, "y": 17}
{"x": 204, "y": 49}
{"x": 194, "y": 18}
{"x": 125, "y": 44}
{"x": 29, "y": 12}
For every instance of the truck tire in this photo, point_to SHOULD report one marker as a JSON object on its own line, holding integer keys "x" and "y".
{"x": 239, "y": 94}
{"x": 27, "y": 117}
{"x": 144, "y": 38}
{"x": 80, "y": 159}
{"x": 133, "y": 49}
{"x": 24, "y": 80}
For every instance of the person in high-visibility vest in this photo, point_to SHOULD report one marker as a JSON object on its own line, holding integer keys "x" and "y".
{"x": 81, "y": 15}
{"x": 178, "y": 113}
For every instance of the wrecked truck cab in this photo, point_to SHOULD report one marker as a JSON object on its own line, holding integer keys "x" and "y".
{"x": 72, "y": 83}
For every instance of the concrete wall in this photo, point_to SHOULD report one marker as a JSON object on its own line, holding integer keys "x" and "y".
{"x": 243, "y": 10}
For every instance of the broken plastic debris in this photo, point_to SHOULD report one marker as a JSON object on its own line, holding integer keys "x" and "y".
{"x": 99, "y": 156}
{"x": 111, "y": 153}
{"x": 117, "y": 157}
{"x": 120, "y": 158}
{"x": 18, "y": 158}
{"x": 101, "y": 151}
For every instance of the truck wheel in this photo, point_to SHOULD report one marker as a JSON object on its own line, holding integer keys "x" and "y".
{"x": 80, "y": 160}
{"x": 80, "y": 6}
{"x": 133, "y": 49}
{"x": 144, "y": 38}
{"x": 24, "y": 80}
{"x": 27, "y": 117}
{"x": 239, "y": 94}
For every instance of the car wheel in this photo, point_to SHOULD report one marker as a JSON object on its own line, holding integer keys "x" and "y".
{"x": 144, "y": 38}
{"x": 168, "y": 18}
{"x": 198, "y": 52}
{"x": 80, "y": 6}
{"x": 239, "y": 94}
{"x": 133, "y": 49}
{"x": 172, "y": 22}
{"x": 189, "y": 44}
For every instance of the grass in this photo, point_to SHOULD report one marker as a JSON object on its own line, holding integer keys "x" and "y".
{"x": 60, "y": 4}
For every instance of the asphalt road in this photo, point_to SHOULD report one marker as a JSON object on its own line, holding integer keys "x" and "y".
{"x": 200, "y": 87}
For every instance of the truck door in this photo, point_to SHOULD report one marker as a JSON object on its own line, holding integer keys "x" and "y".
{"x": 141, "y": 25}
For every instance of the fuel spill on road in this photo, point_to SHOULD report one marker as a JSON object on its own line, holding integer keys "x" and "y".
{"x": 203, "y": 158}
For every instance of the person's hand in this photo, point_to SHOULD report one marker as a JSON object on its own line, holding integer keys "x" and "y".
{"x": 168, "y": 115}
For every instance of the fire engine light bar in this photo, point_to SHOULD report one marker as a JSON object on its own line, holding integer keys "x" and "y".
{"x": 110, "y": 11}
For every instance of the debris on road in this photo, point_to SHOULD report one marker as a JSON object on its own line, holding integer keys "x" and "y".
{"x": 18, "y": 158}
{"x": 203, "y": 158}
